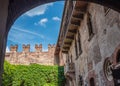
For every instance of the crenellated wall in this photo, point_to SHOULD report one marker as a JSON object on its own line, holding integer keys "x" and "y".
{"x": 27, "y": 57}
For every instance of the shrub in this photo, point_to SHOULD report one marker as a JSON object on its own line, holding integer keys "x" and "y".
{"x": 32, "y": 75}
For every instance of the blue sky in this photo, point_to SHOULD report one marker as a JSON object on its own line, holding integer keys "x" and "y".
{"x": 39, "y": 25}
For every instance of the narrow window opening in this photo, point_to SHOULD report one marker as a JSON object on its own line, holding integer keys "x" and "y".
{"x": 90, "y": 27}
{"x": 79, "y": 43}
{"x": 92, "y": 82}
{"x": 106, "y": 10}
{"x": 118, "y": 57}
{"x": 76, "y": 51}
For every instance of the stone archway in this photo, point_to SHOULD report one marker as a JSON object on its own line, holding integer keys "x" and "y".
{"x": 10, "y": 10}
{"x": 18, "y": 7}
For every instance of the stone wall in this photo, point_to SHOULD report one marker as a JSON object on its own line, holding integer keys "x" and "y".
{"x": 96, "y": 48}
{"x": 27, "y": 57}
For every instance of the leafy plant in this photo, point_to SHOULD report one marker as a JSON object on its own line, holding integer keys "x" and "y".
{"x": 32, "y": 75}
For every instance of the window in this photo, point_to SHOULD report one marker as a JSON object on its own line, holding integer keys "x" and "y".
{"x": 118, "y": 57}
{"x": 90, "y": 28}
{"x": 107, "y": 69}
{"x": 79, "y": 43}
{"x": 106, "y": 10}
{"x": 76, "y": 51}
{"x": 92, "y": 82}
{"x": 78, "y": 48}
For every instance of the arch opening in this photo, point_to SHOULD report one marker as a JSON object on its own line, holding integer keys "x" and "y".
{"x": 36, "y": 33}
{"x": 44, "y": 26}
{"x": 107, "y": 69}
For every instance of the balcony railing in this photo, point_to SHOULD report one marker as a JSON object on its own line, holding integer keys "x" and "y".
{"x": 69, "y": 68}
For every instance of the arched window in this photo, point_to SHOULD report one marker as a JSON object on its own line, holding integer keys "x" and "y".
{"x": 107, "y": 69}
{"x": 92, "y": 82}
{"x": 118, "y": 57}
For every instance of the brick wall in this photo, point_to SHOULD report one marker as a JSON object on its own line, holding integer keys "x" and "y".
{"x": 27, "y": 57}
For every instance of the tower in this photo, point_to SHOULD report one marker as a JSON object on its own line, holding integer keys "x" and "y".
{"x": 13, "y": 54}
{"x": 51, "y": 48}
{"x": 14, "y": 48}
{"x": 38, "y": 48}
{"x": 26, "y": 48}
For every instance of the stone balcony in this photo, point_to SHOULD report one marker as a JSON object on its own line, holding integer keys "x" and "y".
{"x": 69, "y": 70}
{"x": 73, "y": 15}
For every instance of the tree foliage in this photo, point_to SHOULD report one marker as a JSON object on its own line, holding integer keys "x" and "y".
{"x": 32, "y": 75}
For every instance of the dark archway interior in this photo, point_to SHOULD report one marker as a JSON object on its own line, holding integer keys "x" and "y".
{"x": 92, "y": 83}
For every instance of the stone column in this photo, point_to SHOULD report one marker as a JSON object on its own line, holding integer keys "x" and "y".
{"x": 3, "y": 33}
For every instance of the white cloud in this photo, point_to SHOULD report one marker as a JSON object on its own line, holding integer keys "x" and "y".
{"x": 42, "y": 22}
{"x": 40, "y": 10}
{"x": 7, "y": 49}
{"x": 56, "y": 18}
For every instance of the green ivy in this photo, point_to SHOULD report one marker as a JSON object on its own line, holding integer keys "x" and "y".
{"x": 32, "y": 75}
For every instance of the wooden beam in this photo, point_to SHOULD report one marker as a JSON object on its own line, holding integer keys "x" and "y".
{"x": 78, "y": 16}
{"x": 70, "y": 37}
{"x": 76, "y": 19}
{"x": 81, "y": 10}
{"x": 72, "y": 31}
{"x": 67, "y": 43}
{"x": 75, "y": 23}
{"x": 65, "y": 52}
{"x": 72, "y": 26}
{"x": 66, "y": 48}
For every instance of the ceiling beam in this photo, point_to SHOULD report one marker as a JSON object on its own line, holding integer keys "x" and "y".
{"x": 72, "y": 31}
{"x": 66, "y": 48}
{"x": 70, "y": 37}
{"x": 81, "y": 10}
{"x": 65, "y": 52}
{"x": 67, "y": 43}
{"x": 80, "y": 17}
{"x": 75, "y": 23}
{"x": 76, "y": 18}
